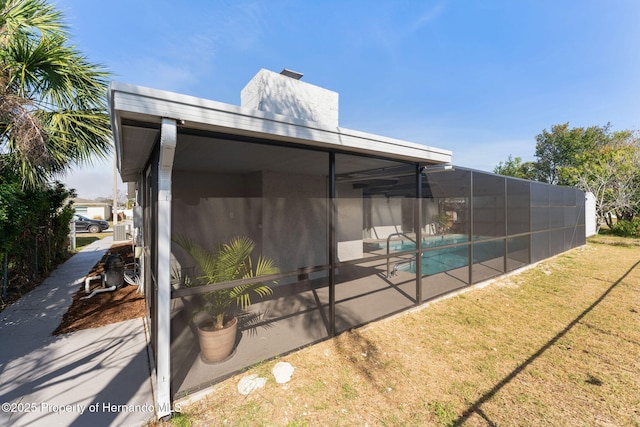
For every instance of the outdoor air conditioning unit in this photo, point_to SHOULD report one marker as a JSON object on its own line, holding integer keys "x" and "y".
{"x": 119, "y": 232}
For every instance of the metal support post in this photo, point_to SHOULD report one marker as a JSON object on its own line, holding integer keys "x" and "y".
{"x": 168, "y": 139}
{"x": 332, "y": 244}
{"x": 418, "y": 223}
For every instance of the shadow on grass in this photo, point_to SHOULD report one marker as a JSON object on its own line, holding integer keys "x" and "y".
{"x": 476, "y": 407}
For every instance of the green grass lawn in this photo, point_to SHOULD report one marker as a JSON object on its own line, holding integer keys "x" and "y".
{"x": 85, "y": 239}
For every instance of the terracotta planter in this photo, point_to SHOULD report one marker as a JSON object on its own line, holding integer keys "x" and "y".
{"x": 217, "y": 345}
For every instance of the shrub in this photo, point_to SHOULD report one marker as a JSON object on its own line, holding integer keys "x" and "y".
{"x": 34, "y": 228}
{"x": 627, "y": 228}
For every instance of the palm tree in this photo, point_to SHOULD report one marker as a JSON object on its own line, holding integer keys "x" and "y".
{"x": 53, "y": 111}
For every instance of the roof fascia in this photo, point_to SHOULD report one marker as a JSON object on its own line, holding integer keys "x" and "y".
{"x": 128, "y": 101}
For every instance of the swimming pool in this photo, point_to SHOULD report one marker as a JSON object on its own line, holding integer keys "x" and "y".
{"x": 427, "y": 242}
{"x": 438, "y": 260}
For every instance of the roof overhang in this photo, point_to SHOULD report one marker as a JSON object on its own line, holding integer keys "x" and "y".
{"x": 137, "y": 112}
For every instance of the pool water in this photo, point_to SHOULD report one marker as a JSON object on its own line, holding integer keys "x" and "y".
{"x": 408, "y": 245}
{"x": 444, "y": 259}
{"x": 440, "y": 260}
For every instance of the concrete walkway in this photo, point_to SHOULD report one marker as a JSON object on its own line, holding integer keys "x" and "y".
{"x": 94, "y": 377}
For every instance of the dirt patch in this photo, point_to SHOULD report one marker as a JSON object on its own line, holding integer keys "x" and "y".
{"x": 104, "y": 308}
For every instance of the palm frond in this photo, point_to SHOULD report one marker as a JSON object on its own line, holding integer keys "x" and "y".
{"x": 265, "y": 266}
{"x": 232, "y": 261}
{"x": 53, "y": 112}
{"x": 29, "y": 16}
{"x": 232, "y": 258}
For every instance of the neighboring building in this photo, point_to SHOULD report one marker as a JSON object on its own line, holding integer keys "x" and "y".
{"x": 338, "y": 210}
{"x": 92, "y": 209}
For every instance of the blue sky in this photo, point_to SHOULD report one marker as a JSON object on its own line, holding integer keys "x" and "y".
{"x": 479, "y": 77}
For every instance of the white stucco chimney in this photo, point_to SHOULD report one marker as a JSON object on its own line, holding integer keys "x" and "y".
{"x": 285, "y": 94}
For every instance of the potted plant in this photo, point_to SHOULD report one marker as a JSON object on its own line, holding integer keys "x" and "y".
{"x": 232, "y": 261}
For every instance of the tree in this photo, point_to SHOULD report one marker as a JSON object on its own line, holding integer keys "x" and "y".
{"x": 611, "y": 171}
{"x": 557, "y": 152}
{"x": 53, "y": 111}
{"x": 517, "y": 169}
{"x": 594, "y": 159}
{"x": 559, "y": 149}
{"x": 34, "y": 228}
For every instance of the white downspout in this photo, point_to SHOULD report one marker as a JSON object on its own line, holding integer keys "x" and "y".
{"x": 168, "y": 139}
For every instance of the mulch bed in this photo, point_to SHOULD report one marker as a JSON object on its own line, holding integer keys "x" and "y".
{"x": 104, "y": 308}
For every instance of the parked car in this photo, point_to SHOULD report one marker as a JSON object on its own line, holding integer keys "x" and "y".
{"x": 91, "y": 225}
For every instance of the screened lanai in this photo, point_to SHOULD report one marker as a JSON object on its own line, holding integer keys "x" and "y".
{"x": 343, "y": 230}
{"x": 360, "y": 226}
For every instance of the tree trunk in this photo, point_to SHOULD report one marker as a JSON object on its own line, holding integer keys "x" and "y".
{"x": 609, "y": 220}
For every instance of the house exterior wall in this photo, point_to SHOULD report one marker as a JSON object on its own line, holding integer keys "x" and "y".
{"x": 217, "y": 207}
{"x": 349, "y": 227}
{"x": 284, "y": 214}
{"x": 295, "y": 219}
{"x": 383, "y": 217}
{"x": 429, "y": 212}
